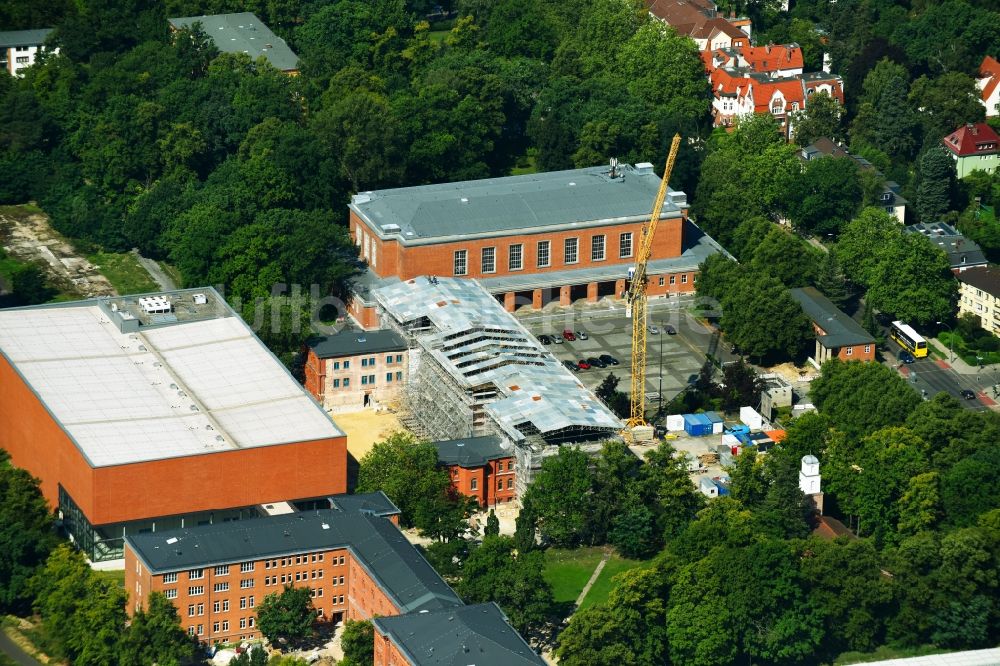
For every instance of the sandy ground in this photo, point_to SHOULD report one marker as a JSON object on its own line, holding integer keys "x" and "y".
{"x": 366, "y": 427}
{"x": 30, "y": 238}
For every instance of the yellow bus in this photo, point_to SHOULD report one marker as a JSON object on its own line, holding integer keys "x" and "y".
{"x": 908, "y": 339}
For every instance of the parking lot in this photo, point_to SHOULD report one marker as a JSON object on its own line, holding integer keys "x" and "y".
{"x": 609, "y": 331}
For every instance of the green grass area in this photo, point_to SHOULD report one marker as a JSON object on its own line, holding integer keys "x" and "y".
{"x": 8, "y": 266}
{"x": 21, "y": 210}
{"x": 602, "y": 586}
{"x": 567, "y": 571}
{"x": 886, "y": 653}
{"x": 525, "y": 164}
{"x": 438, "y": 36}
{"x": 7, "y": 661}
{"x": 968, "y": 353}
{"x": 124, "y": 272}
{"x": 115, "y": 576}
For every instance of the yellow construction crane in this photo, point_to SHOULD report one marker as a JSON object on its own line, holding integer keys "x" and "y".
{"x": 636, "y": 308}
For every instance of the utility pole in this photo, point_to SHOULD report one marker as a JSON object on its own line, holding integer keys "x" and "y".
{"x": 659, "y": 391}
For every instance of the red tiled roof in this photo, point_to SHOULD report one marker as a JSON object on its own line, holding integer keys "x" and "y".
{"x": 990, "y": 69}
{"x": 773, "y": 58}
{"x": 973, "y": 139}
{"x": 831, "y": 528}
{"x": 790, "y": 89}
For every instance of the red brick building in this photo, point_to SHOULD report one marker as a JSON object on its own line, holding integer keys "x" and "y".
{"x": 352, "y": 557}
{"x": 837, "y": 335}
{"x": 479, "y": 468}
{"x": 149, "y": 413}
{"x": 530, "y": 240}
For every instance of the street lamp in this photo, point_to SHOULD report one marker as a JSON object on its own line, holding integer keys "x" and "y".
{"x": 659, "y": 391}
{"x": 951, "y": 341}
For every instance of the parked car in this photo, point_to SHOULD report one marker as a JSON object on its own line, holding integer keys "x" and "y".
{"x": 570, "y": 365}
{"x": 569, "y": 335}
{"x": 582, "y": 335}
{"x": 558, "y": 339}
{"x": 583, "y": 365}
{"x": 596, "y": 362}
{"x": 670, "y": 330}
{"x": 733, "y": 349}
{"x": 653, "y": 329}
{"x": 608, "y": 359}
{"x": 968, "y": 395}
{"x": 906, "y": 357}
{"x": 545, "y": 340}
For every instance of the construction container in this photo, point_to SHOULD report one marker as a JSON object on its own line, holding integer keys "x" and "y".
{"x": 697, "y": 425}
{"x": 708, "y": 487}
{"x": 750, "y": 417}
{"x": 717, "y": 423}
{"x": 675, "y": 423}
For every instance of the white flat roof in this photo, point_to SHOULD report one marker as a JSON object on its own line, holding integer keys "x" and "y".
{"x": 176, "y": 390}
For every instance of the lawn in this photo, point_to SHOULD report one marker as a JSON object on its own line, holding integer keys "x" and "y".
{"x": 124, "y": 272}
{"x": 569, "y": 570}
{"x": 954, "y": 343}
{"x": 885, "y": 653}
{"x": 525, "y": 164}
{"x": 115, "y": 576}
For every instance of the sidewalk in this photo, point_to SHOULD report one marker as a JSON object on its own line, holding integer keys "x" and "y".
{"x": 954, "y": 362}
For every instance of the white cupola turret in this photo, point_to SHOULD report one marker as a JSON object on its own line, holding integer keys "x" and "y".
{"x": 809, "y": 479}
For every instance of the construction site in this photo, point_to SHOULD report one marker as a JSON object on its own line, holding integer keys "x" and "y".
{"x": 475, "y": 370}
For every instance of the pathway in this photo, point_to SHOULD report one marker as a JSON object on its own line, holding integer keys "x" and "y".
{"x": 14, "y": 651}
{"x": 593, "y": 579}
{"x": 158, "y": 274}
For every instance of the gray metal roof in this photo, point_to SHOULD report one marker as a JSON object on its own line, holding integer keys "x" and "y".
{"x": 378, "y": 545}
{"x": 479, "y": 635}
{"x": 470, "y": 451}
{"x": 351, "y": 343}
{"x": 962, "y": 252}
{"x": 243, "y": 33}
{"x": 376, "y": 503}
{"x": 13, "y": 38}
{"x": 574, "y": 198}
{"x": 986, "y": 278}
{"x": 479, "y": 343}
{"x": 841, "y": 330}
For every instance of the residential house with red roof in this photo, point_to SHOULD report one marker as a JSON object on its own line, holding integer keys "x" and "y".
{"x": 989, "y": 85}
{"x": 777, "y": 60}
{"x": 740, "y": 92}
{"x": 700, "y": 20}
{"x": 975, "y": 147}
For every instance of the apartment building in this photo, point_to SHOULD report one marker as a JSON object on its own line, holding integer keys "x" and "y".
{"x": 979, "y": 295}
{"x": 20, "y": 49}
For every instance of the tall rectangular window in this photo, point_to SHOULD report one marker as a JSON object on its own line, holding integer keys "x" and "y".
{"x": 543, "y": 253}
{"x": 170, "y": 578}
{"x": 489, "y": 259}
{"x": 246, "y": 567}
{"x": 196, "y": 574}
{"x": 571, "y": 248}
{"x": 170, "y": 594}
{"x": 515, "y": 257}
{"x": 625, "y": 245}
{"x": 222, "y": 570}
{"x": 597, "y": 248}
{"x": 220, "y": 587}
{"x": 461, "y": 262}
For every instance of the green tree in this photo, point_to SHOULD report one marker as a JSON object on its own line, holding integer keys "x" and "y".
{"x": 614, "y": 470}
{"x": 633, "y": 529}
{"x": 742, "y": 385}
{"x": 946, "y": 103}
{"x": 920, "y": 505}
{"x": 155, "y": 636}
{"x": 493, "y": 572}
{"x": 26, "y": 532}
{"x": 560, "y": 497}
{"x": 860, "y": 398}
{"x": 885, "y": 119}
{"x": 830, "y": 280}
{"x": 668, "y": 490}
{"x": 749, "y": 303}
{"x": 826, "y": 196}
{"x": 492, "y": 525}
{"x": 358, "y": 643}
{"x": 748, "y": 480}
{"x": 787, "y": 257}
{"x": 937, "y": 181}
{"x": 617, "y": 401}
{"x": 288, "y": 615}
{"x": 820, "y": 119}
{"x": 30, "y": 286}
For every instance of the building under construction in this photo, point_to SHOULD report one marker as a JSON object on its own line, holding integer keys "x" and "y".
{"x": 475, "y": 370}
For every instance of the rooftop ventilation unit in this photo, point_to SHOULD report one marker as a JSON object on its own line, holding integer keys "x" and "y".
{"x": 644, "y": 168}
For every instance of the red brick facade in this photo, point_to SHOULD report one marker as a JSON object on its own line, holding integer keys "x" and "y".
{"x": 167, "y": 487}
{"x": 492, "y": 483}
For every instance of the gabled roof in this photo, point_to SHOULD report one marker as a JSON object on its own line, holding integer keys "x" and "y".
{"x": 352, "y": 343}
{"x": 973, "y": 139}
{"x": 989, "y": 75}
{"x": 479, "y": 635}
{"x": 471, "y": 451}
{"x": 839, "y": 329}
{"x": 773, "y": 57}
{"x": 14, "y": 38}
{"x": 986, "y": 278}
{"x": 243, "y": 33}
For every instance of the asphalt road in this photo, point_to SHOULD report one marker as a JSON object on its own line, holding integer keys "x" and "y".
{"x": 12, "y": 650}
{"x": 926, "y": 375}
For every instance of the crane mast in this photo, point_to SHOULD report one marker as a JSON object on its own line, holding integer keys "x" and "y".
{"x": 636, "y": 300}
